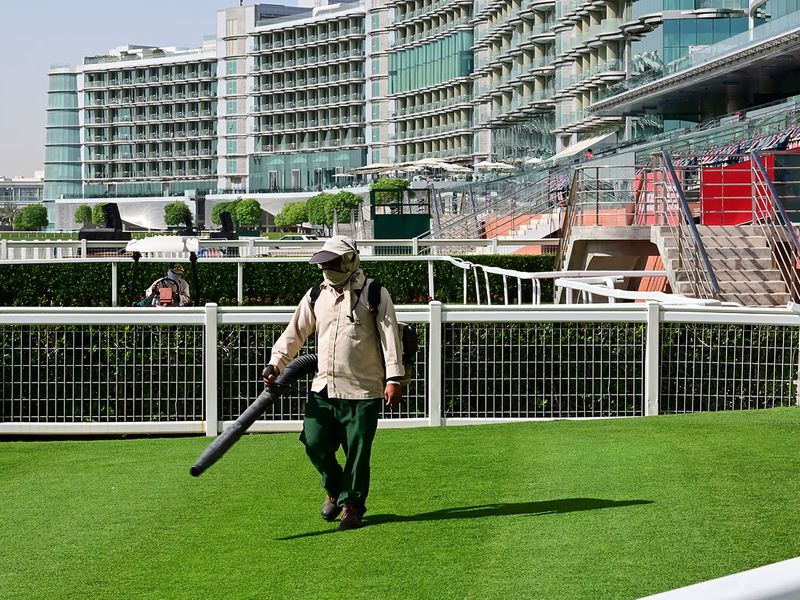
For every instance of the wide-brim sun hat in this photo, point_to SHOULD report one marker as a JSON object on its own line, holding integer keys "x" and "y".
{"x": 333, "y": 248}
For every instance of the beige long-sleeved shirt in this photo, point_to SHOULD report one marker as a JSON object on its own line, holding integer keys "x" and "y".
{"x": 354, "y": 359}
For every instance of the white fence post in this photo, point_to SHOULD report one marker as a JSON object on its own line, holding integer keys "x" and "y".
{"x": 114, "y": 283}
{"x": 3, "y": 250}
{"x": 652, "y": 359}
{"x": 239, "y": 283}
{"x": 210, "y": 368}
{"x": 431, "y": 291}
{"x": 435, "y": 364}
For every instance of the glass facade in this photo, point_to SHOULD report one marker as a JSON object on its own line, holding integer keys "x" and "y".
{"x": 15, "y": 192}
{"x": 302, "y": 172}
{"x": 432, "y": 63}
{"x": 682, "y": 35}
{"x": 430, "y": 82}
{"x": 774, "y": 9}
{"x": 309, "y": 103}
{"x": 150, "y": 128}
{"x": 62, "y": 163}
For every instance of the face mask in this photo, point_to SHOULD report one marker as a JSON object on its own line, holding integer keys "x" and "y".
{"x": 335, "y": 278}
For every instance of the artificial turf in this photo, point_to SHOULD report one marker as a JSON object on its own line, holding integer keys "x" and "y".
{"x": 593, "y": 509}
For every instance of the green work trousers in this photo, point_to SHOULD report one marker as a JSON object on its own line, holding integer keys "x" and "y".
{"x": 351, "y": 424}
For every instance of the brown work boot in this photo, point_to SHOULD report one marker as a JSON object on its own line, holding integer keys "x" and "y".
{"x": 329, "y": 510}
{"x": 351, "y": 518}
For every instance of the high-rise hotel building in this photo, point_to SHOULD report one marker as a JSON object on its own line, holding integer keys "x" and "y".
{"x": 287, "y": 98}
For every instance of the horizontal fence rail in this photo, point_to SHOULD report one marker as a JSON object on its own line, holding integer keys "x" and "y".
{"x": 194, "y": 370}
{"x": 253, "y": 247}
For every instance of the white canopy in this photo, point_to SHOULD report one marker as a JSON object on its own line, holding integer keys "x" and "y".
{"x": 375, "y": 168}
{"x": 164, "y": 243}
{"x": 582, "y": 145}
{"x": 494, "y": 166}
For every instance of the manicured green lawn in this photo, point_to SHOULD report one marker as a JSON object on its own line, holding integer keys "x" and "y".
{"x": 600, "y": 509}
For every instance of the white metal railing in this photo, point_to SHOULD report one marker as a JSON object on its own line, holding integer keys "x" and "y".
{"x": 194, "y": 370}
{"x": 604, "y": 287}
{"x": 12, "y": 251}
{"x": 159, "y": 257}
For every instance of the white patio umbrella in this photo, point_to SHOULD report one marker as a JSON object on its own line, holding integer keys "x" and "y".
{"x": 494, "y": 166}
{"x": 455, "y": 168}
{"x": 373, "y": 168}
{"x": 164, "y": 243}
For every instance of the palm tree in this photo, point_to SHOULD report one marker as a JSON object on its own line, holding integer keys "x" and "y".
{"x": 8, "y": 211}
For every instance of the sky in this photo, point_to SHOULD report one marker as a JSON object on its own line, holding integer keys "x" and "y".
{"x": 37, "y": 34}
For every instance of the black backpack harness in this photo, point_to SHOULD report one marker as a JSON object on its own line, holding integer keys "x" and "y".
{"x": 409, "y": 340}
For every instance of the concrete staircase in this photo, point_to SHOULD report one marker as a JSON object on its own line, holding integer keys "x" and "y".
{"x": 741, "y": 260}
{"x": 538, "y": 226}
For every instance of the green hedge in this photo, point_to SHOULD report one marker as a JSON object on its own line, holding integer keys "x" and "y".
{"x": 272, "y": 284}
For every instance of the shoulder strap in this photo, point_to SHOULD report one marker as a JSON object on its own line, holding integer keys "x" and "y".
{"x": 166, "y": 281}
{"x": 374, "y": 295}
{"x": 313, "y": 294}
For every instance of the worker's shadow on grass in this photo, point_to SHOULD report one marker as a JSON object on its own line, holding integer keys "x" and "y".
{"x": 531, "y": 509}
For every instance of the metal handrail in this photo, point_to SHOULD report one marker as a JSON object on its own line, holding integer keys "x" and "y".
{"x": 687, "y": 222}
{"x": 776, "y": 224}
{"x": 566, "y": 227}
{"x": 470, "y": 219}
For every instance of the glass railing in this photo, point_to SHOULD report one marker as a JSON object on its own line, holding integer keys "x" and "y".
{"x": 752, "y": 37}
{"x": 789, "y": 24}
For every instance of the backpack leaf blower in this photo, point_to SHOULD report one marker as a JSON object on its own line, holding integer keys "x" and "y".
{"x": 299, "y": 367}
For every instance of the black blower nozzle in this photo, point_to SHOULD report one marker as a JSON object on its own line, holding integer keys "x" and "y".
{"x": 296, "y": 369}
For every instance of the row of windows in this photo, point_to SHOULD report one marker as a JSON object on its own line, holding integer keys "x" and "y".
{"x": 102, "y": 135}
{"x": 310, "y": 33}
{"x": 322, "y": 97}
{"x": 701, "y": 4}
{"x": 299, "y": 171}
{"x": 152, "y": 94}
{"x": 304, "y": 78}
{"x": 314, "y": 54}
{"x": 147, "y": 74}
{"x": 21, "y": 194}
{"x": 147, "y": 189}
{"x": 155, "y": 113}
{"x": 302, "y": 120}
{"x": 142, "y": 151}
{"x": 151, "y": 169}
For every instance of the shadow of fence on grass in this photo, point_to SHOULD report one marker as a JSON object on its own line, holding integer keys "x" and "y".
{"x": 530, "y": 509}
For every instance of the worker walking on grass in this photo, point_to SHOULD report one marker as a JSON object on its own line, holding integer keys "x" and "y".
{"x": 359, "y": 366}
